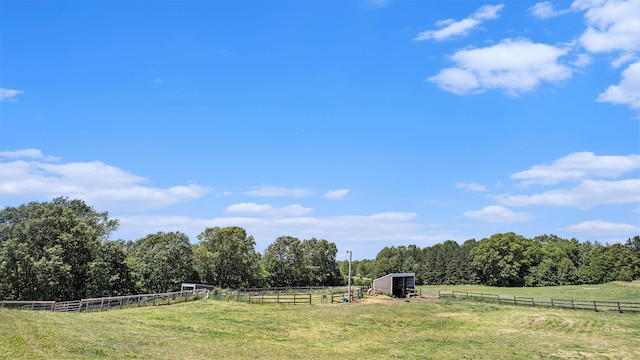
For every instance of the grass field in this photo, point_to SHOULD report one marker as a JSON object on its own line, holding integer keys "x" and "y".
{"x": 381, "y": 328}
{"x": 615, "y": 291}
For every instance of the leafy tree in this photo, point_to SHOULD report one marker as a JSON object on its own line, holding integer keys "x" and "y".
{"x": 160, "y": 262}
{"x": 320, "y": 262}
{"x": 226, "y": 258}
{"x": 46, "y": 249}
{"x": 613, "y": 263}
{"x": 284, "y": 262}
{"x": 502, "y": 259}
{"x": 109, "y": 272}
{"x": 554, "y": 261}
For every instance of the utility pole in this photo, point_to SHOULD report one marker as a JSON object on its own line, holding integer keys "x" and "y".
{"x": 349, "y": 295}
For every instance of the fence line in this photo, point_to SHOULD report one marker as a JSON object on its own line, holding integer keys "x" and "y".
{"x": 275, "y": 297}
{"x": 106, "y": 303}
{"x": 595, "y": 305}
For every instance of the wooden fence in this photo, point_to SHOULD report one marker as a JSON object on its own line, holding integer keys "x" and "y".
{"x": 106, "y": 303}
{"x": 595, "y": 305}
{"x": 276, "y": 297}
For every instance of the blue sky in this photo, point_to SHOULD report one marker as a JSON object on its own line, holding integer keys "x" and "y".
{"x": 366, "y": 123}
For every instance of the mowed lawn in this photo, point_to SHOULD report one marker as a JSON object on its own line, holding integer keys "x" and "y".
{"x": 379, "y": 328}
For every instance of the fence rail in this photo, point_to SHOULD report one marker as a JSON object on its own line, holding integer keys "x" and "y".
{"x": 276, "y": 297}
{"x": 106, "y": 303}
{"x": 595, "y": 305}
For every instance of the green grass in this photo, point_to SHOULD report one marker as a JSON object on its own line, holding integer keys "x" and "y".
{"x": 614, "y": 291}
{"x": 386, "y": 329}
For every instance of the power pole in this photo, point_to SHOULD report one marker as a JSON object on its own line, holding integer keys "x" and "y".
{"x": 349, "y": 295}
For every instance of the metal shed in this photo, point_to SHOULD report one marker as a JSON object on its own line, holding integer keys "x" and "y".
{"x": 396, "y": 284}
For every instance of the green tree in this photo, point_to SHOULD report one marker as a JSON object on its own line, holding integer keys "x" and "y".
{"x": 284, "y": 262}
{"x": 46, "y": 249}
{"x": 320, "y": 263}
{"x": 226, "y": 258}
{"x": 612, "y": 263}
{"x": 161, "y": 262}
{"x": 109, "y": 272}
{"x": 502, "y": 259}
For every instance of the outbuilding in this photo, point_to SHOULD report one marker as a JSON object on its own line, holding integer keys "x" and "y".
{"x": 396, "y": 284}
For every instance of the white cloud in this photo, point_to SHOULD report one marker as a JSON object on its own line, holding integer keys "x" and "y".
{"x": 623, "y": 59}
{"x": 545, "y": 10}
{"x": 628, "y": 91}
{"x": 354, "y": 231}
{"x": 471, "y": 186}
{"x": 27, "y": 153}
{"x": 598, "y": 227}
{"x": 500, "y": 214}
{"x": 456, "y": 29}
{"x": 274, "y": 191}
{"x": 514, "y": 65}
{"x": 249, "y": 208}
{"x": 586, "y": 194}
{"x": 336, "y": 194}
{"x": 613, "y": 25}
{"x": 9, "y": 94}
{"x": 99, "y": 184}
{"x": 578, "y": 166}
{"x": 266, "y": 209}
{"x": 290, "y": 210}
{"x": 582, "y": 61}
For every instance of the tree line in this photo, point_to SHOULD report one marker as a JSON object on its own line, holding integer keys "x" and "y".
{"x": 60, "y": 250}
{"x": 509, "y": 259}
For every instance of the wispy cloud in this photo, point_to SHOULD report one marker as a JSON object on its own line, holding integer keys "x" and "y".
{"x": 9, "y": 94}
{"x": 589, "y": 179}
{"x": 266, "y": 209}
{"x": 336, "y": 194}
{"x": 545, "y": 10}
{"x": 28, "y": 154}
{"x": 498, "y": 214}
{"x": 99, "y": 184}
{"x": 358, "y": 231}
{"x": 514, "y": 65}
{"x": 457, "y": 29}
{"x": 471, "y": 186}
{"x": 586, "y": 194}
{"x": 577, "y": 166}
{"x": 598, "y": 227}
{"x": 275, "y": 191}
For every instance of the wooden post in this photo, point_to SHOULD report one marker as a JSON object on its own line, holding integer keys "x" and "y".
{"x": 619, "y": 310}
{"x": 294, "y": 298}
{"x": 101, "y": 304}
{"x": 514, "y": 300}
{"x": 309, "y": 298}
{"x": 551, "y": 302}
{"x": 595, "y": 307}
{"x": 573, "y": 306}
{"x": 278, "y": 297}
